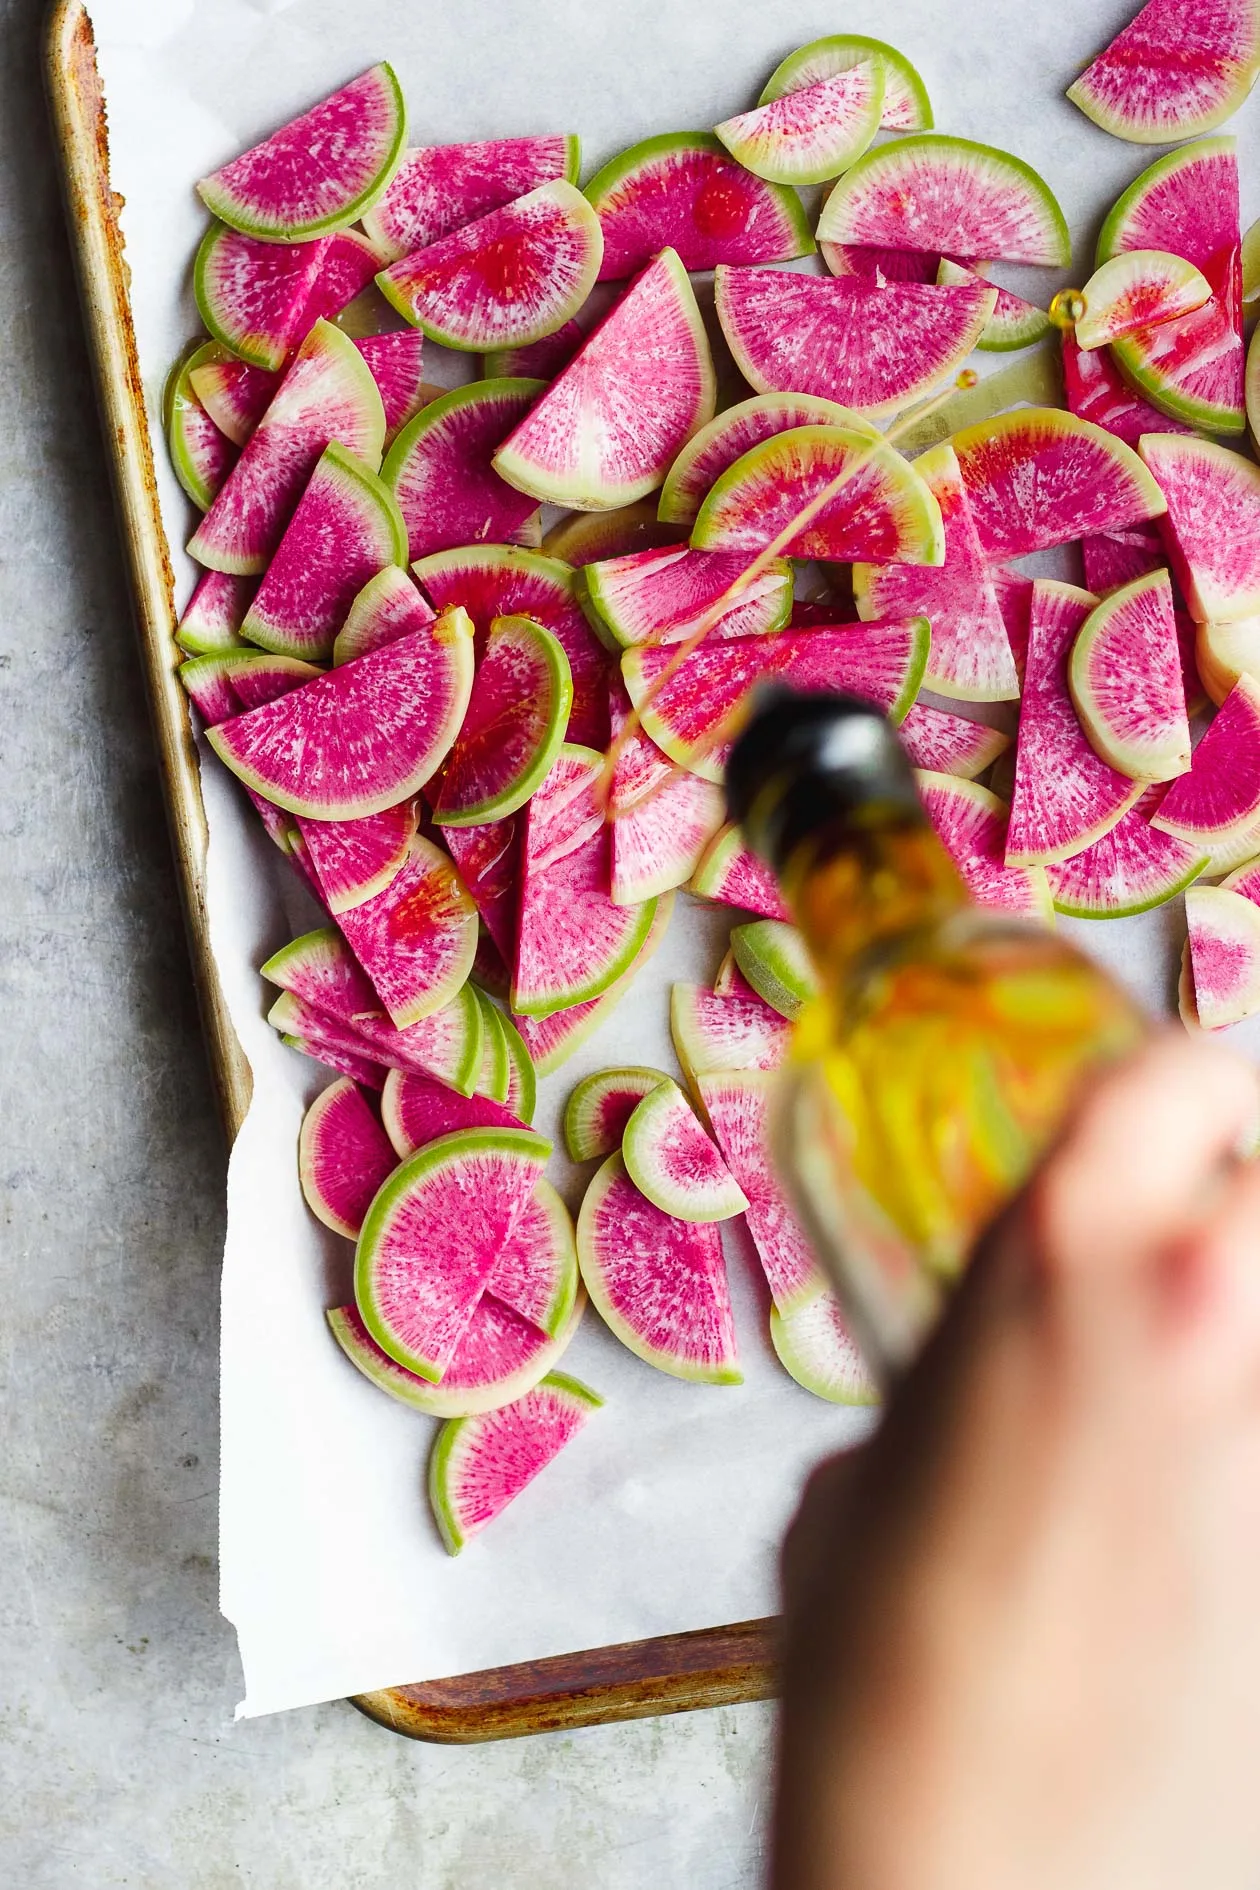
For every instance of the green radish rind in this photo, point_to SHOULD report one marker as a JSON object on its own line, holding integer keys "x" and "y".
{"x": 584, "y": 1135}
{"x": 1135, "y": 669}
{"x": 531, "y": 1150}
{"x": 763, "y": 139}
{"x": 1013, "y": 324}
{"x": 495, "y": 1075}
{"x": 772, "y": 957}
{"x": 907, "y": 106}
{"x": 1225, "y": 925}
{"x": 225, "y": 204}
{"x": 811, "y": 1349}
{"x": 551, "y": 699}
{"x": 260, "y": 350}
{"x": 522, "y": 1096}
{"x": 458, "y": 1435}
{"x": 1049, "y": 242}
{"x": 709, "y": 453}
{"x": 1185, "y": 288}
{"x": 617, "y": 629}
{"x": 180, "y": 408}
{"x": 662, "y": 1124}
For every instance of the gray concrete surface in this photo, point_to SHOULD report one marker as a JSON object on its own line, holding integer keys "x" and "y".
{"x": 119, "y": 1762}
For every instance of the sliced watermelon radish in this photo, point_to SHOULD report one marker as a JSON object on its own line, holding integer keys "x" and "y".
{"x": 488, "y": 858}
{"x": 1130, "y": 870}
{"x": 948, "y": 195}
{"x": 572, "y": 941}
{"x": 550, "y": 1041}
{"x": 607, "y": 429}
{"x": 882, "y": 266}
{"x": 536, "y": 1270}
{"x": 396, "y": 364}
{"x": 737, "y": 1103}
{"x": 1212, "y": 528}
{"x": 970, "y": 654}
{"x": 319, "y": 172}
{"x": 360, "y": 1069}
{"x": 252, "y": 297}
{"x": 292, "y": 1016}
{"x": 663, "y": 596}
{"x": 1219, "y": 799}
{"x": 417, "y": 938}
{"x": 657, "y": 1282}
{"x": 949, "y": 744}
{"x": 694, "y": 711}
{"x": 492, "y": 581}
{"x": 416, "y": 1110}
{"x": 1187, "y": 203}
{"x": 537, "y": 360}
{"x": 582, "y": 538}
{"x": 490, "y": 973}
{"x": 732, "y": 875}
{"x": 481, "y": 1464}
{"x": 1245, "y": 880}
{"x": 1065, "y": 796}
{"x": 439, "y": 469}
{"x": 1226, "y": 856}
{"x": 356, "y": 859}
{"x": 1224, "y": 652}
{"x": 363, "y": 737}
{"x": 815, "y": 1347}
{"x": 344, "y": 1156}
{"x": 513, "y": 728}
{"x": 812, "y": 132}
{"x": 500, "y": 1357}
{"x": 737, "y": 1032}
{"x": 213, "y": 615}
{"x": 349, "y": 265}
{"x": 209, "y": 688}
{"x": 345, "y": 529}
{"x": 431, "y": 1238}
{"x": 234, "y": 394}
{"x": 201, "y": 456}
{"x": 1037, "y": 478}
{"x": 731, "y": 434}
{"x": 873, "y": 348}
{"x": 328, "y": 394}
{"x": 773, "y": 959}
{"x": 1224, "y": 940}
{"x": 598, "y": 1110}
{"x": 972, "y": 826}
{"x": 865, "y": 501}
{"x": 513, "y": 276}
{"x": 906, "y": 103}
{"x": 1176, "y": 70}
{"x": 674, "y": 1163}
{"x": 1014, "y": 322}
{"x": 388, "y": 608}
{"x": 1135, "y": 290}
{"x": 1113, "y": 559}
{"x": 522, "y": 1096}
{"x": 683, "y": 192}
{"x": 222, "y": 685}
{"x": 662, "y": 818}
{"x": 1097, "y": 391}
{"x": 1125, "y": 678}
{"x": 440, "y": 188}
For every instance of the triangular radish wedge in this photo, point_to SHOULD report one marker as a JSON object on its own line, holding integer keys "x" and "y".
{"x": 320, "y": 171}
{"x": 734, "y": 1032}
{"x": 732, "y": 433}
{"x": 417, "y": 1109}
{"x": 1173, "y": 72}
{"x": 808, "y": 135}
{"x": 1096, "y": 390}
{"x": 252, "y": 296}
{"x": 572, "y": 941}
{"x": 388, "y": 608}
{"x": 664, "y": 594}
{"x": 971, "y": 824}
{"x": 293, "y": 1016}
{"x": 873, "y": 348}
{"x": 872, "y": 264}
{"x": 1014, "y": 322}
{"x": 356, "y": 859}
{"x": 1130, "y": 870}
{"x": 1224, "y": 947}
{"x": 694, "y": 712}
{"x": 223, "y": 685}
{"x": 359, "y": 1069}
{"x": 733, "y": 876}
{"x": 481, "y": 1464}
{"x": 951, "y": 196}
{"x": 344, "y": 1156}
{"x": 674, "y": 1163}
{"x": 1113, "y": 559}
{"x": 536, "y": 1270}
{"x": 737, "y": 1103}
{"x": 1220, "y": 797}
{"x": 1038, "y": 477}
{"x": 417, "y": 938}
{"x": 488, "y": 858}
{"x": 431, "y": 1238}
{"x": 327, "y": 394}
{"x": 608, "y": 427}
{"x": 600, "y": 1106}
{"x": 441, "y": 187}
{"x": 396, "y": 363}
{"x": 550, "y": 1041}
{"x": 970, "y": 654}
{"x": 683, "y": 191}
{"x": 440, "y": 473}
{"x": 348, "y": 267}
{"x": 949, "y": 744}
{"x": 657, "y": 1282}
{"x": 882, "y": 511}
{"x": 1137, "y": 289}
{"x": 363, "y": 737}
{"x": 815, "y": 1347}
{"x": 491, "y": 581}
{"x": 662, "y": 817}
{"x": 1125, "y": 678}
{"x": 213, "y": 615}
{"x": 235, "y": 394}
{"x": 512, "y": 731}
{"x": 513, "y": 276}
{"x": 1212, "y": 525}
{"x": 907, "y": 106}
{"x": 345, "y": 529}
{"x": 1065, "y": 796}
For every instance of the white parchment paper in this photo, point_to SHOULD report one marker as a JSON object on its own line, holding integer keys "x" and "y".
{"x": 666, "y": 1513}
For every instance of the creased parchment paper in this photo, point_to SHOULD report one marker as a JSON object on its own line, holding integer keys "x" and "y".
{"x": 666, "y": 1513}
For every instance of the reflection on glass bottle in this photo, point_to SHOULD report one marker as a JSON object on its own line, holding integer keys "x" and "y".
{"x": 948, "y": 1040}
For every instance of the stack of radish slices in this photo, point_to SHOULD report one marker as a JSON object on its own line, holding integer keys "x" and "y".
{"x": 476, "y": 654}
